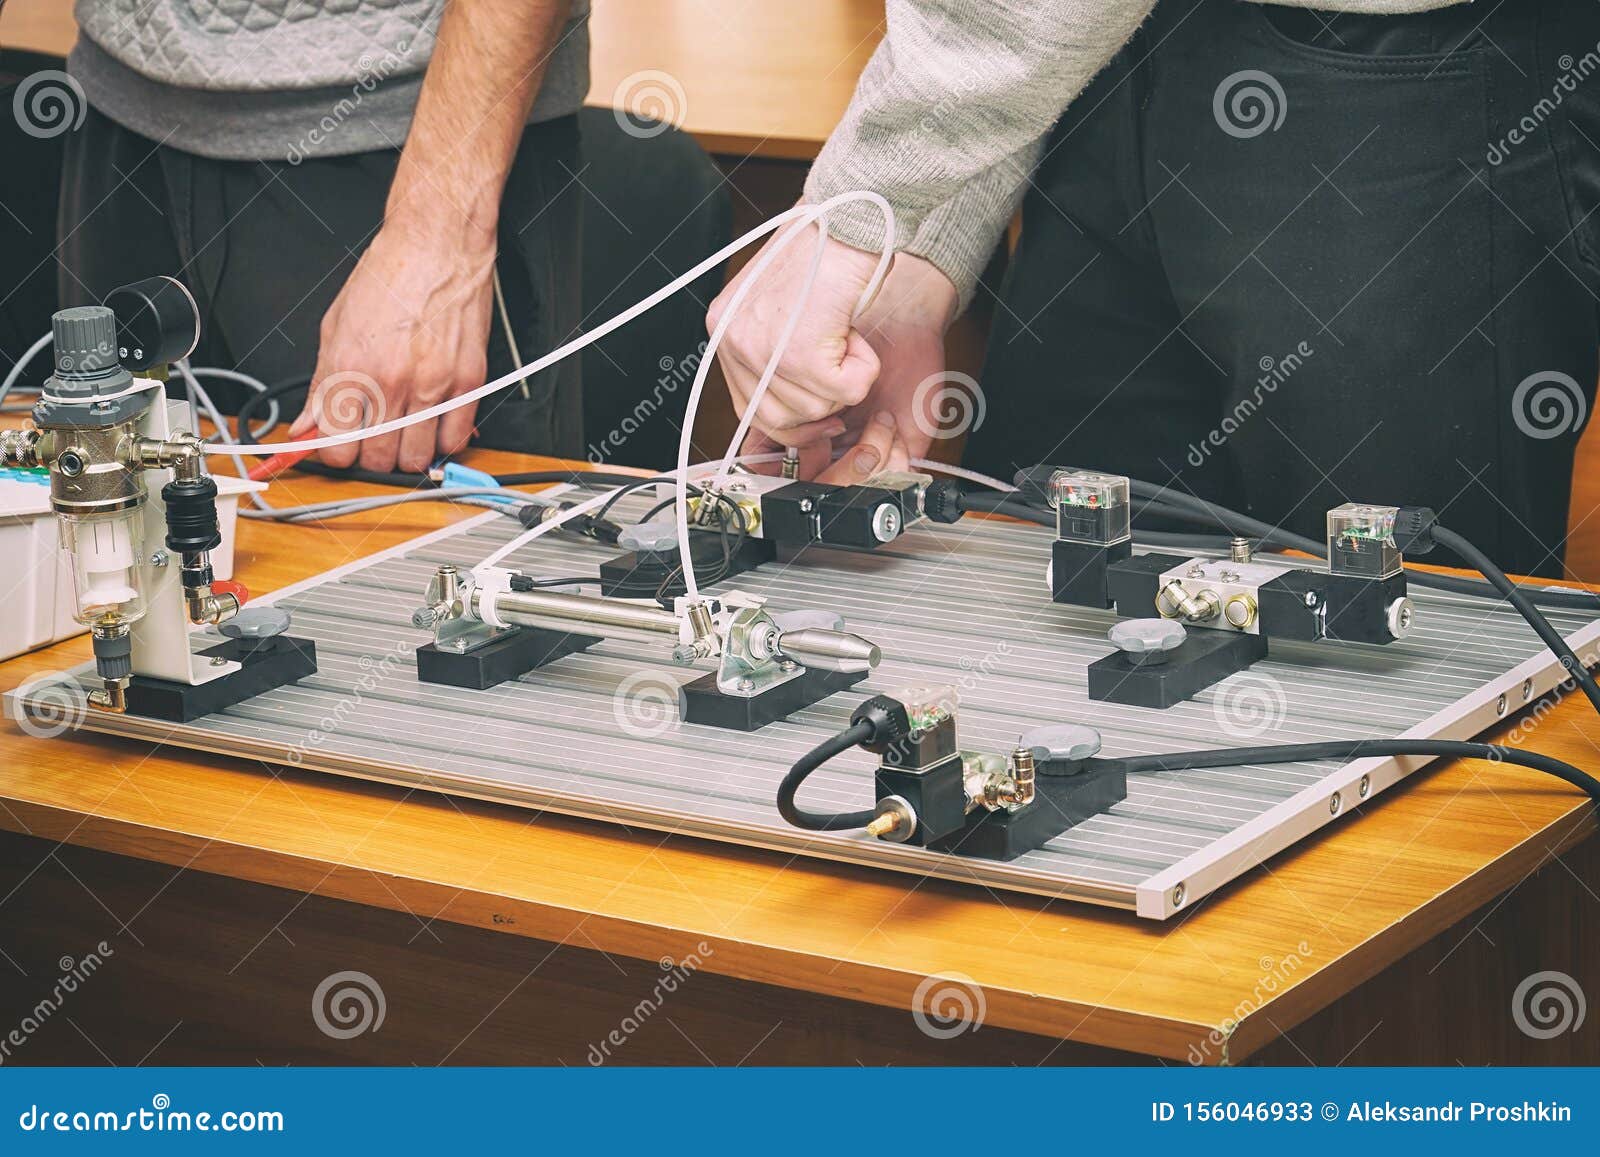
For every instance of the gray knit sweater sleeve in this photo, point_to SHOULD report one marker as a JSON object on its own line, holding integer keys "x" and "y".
{"x": 949, "y": 116}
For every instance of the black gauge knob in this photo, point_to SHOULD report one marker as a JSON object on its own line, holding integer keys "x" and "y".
{"x": 157, "y": 322}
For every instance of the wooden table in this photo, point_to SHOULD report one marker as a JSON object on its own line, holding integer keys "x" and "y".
{"x": 748, "y": 78}
{"x": 227, "y": 890}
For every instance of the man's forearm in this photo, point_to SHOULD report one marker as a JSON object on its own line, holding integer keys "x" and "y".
{"x": 962, "y": 91}
{"x": 481, "y": 82}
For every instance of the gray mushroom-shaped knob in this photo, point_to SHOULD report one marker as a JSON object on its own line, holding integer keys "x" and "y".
{"x": 1061, "y": 748}
{"x": 1147, "y": 641}
{"x": 256, "y": 623}
{"x": 257, "y": 628}
{"x": 659, "y": 534}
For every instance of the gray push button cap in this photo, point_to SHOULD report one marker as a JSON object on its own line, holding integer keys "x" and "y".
{"x": 1147, "y": 640}
{"x": 256, "y": 623}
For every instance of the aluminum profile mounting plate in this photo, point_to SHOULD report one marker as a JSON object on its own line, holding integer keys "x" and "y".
{"x": 596, "y": 734}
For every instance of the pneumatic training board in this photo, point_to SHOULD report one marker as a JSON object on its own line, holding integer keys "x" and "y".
{"x": 597, "y": 735}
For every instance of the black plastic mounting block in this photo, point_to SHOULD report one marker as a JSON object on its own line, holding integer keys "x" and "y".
{"x": 1204, "y": 658}
{"x": 500, "y": 660}
{"x": 1060, "y": 802}
{"x": 639, "y": 574}
{"x": 265, "y": 668}
{"x": 701, "y": 702}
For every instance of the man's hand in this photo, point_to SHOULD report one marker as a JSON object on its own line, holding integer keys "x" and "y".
{"x": 411, "y": 325}
{"x": 409, "y": 329}
{"x": 840, "y": 373}
{"x": 827, "y": 367}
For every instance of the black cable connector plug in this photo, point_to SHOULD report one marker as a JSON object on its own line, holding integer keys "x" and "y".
{"x": 1033, "y": 485}
{"x": 888, "y": 720}
{"x": 584, "y": 525}
{"x": 941, "y": 501}
{"x": 1413, "y": 529}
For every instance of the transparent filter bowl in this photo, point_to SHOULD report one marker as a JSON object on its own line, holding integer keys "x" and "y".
{"x": 106, "y": 551}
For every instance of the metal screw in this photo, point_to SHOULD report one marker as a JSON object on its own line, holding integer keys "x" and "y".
{"x": 1365, "y": 788}
{"x": 747, "y": 684}
{"x": 1228, "y": 576}
{"x": 1177, "y": 896}
{"x": 1527, "y": 690}
{"x": 159, "y": 558}
{"x": 1311, "y": 598}
{"x": 1500, "y": 705}
{"x": 423, "y": 618}
{"x": 218, "y": 661}
{"x": 1335, "y": 803}
{"x": 683, "y": 653}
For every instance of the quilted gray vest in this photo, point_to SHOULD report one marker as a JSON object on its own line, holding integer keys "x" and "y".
{"x": 280, "y": 79}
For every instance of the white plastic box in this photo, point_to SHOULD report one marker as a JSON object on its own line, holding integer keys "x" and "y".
{"x": 36, "y": 602}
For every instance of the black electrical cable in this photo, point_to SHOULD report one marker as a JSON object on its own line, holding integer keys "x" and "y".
{"x": 1342, "y": 749}
{"x": 1243, "y": 524}
{"x": 823, "y": 821}
{"x": 1346, "y": 749}
{"x": 1172, "y": 503}
{"x": 719, "y": 572}
{"x": 557, "y": 582}
{"x": 1008, "y": 504}
{"x": 1498, "y": 579}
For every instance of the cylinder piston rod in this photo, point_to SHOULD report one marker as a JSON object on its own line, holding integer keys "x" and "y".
{"x": 822, "y": 649}
{"x": 607, "y": 618}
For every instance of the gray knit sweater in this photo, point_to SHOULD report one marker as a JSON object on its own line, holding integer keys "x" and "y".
{"x": 952, "y": 111}
{"x": 281, "y": 79}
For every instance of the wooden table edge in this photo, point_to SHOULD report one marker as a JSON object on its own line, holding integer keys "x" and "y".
{"x": 1367, "y": 959}
{"x": 761, "y": 962}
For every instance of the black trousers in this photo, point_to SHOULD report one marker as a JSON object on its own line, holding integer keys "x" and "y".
{"x": 265, "y": 246}
{"x": 1285, "y": 259}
